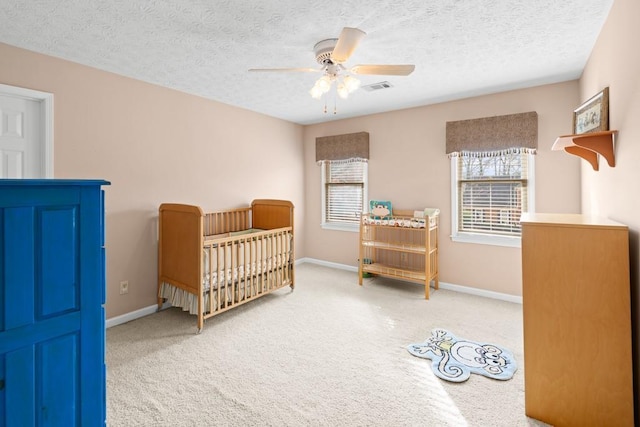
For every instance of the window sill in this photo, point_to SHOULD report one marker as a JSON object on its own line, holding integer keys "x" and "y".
{"x": 484, "y": 239}
{"x": 354, "y": 228}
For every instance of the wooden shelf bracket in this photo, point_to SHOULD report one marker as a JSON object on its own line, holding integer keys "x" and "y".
{"x": 589, "y": 146}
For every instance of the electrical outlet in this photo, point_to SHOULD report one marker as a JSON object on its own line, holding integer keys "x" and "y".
{"x": 124, "y": 287}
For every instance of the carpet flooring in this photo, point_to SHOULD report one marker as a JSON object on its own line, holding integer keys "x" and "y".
{"x": 330, "y": 353}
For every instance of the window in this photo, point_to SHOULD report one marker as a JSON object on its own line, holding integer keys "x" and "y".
{"x": 343, "y": 160}
{"x": 344, "y": 190}
{"x": 490, "y": 190}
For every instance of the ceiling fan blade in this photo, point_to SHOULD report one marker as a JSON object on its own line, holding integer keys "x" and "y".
{"x": 387, "y": 70}
{"x": 287, "y": 70}
{"x": 347, "y": 43}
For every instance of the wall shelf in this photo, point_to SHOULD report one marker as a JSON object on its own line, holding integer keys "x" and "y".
{"x": 589, "y": 146}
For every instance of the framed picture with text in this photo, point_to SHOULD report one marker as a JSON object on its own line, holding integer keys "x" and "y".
{"x": 593, "y": 115}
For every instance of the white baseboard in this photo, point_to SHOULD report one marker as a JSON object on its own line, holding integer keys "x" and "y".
{"x": 118, "y": 320}
{"x": 481, "y": 292}
{"x": 443, "y": 285}
{"x": 327, "y": 264}
{"x": 128, "y": 317}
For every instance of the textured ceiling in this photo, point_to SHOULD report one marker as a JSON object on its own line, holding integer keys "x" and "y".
{"x": 461, "y": 48}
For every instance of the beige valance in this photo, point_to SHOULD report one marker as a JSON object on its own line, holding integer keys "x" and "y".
{"x": 343, "y": 147}
{"x": 494, "y": 133}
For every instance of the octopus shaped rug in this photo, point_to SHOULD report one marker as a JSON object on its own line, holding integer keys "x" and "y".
{"x": 455, "y": 359}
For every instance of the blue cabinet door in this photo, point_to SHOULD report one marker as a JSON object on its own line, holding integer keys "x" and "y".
{"x": 52, "y": 334}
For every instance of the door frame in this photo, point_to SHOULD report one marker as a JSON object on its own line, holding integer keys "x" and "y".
{"x": 45, "y": 100}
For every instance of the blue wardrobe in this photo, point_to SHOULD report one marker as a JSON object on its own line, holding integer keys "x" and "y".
{"x": 52, "y": 295}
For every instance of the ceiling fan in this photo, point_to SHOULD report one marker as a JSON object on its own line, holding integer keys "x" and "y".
{"x": 331, "y": 54}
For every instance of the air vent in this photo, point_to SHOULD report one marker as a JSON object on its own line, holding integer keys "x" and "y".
{"x": 377, "y": 86}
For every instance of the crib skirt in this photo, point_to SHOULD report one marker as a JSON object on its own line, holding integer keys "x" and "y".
{"x": 237, "y": 270}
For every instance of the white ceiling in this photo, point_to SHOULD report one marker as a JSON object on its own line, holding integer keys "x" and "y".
{"x": 461, "y": 48}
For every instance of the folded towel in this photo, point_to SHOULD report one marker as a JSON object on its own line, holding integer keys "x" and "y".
{"x": 431, "y": 212}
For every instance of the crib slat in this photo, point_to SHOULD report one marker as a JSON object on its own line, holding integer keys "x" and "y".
{"x": 254, "y": 262}
{"x": 209, "y": 249}
{"x": 234, "y": 274}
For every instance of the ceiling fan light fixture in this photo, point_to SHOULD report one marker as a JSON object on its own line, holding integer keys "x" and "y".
{"x": 351, "y": 83}
{"x": 316, "y": 92}
{"x": 324, "y": 83}
{"x": 344, "y": 85}
{"x": 343, "y": 91}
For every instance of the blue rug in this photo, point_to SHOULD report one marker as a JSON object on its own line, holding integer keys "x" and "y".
{"x": 455, "y": 359}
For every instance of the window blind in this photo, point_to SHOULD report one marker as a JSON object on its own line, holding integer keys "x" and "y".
{"x": 492, "y": 192}
{"x": 344, "y": 190}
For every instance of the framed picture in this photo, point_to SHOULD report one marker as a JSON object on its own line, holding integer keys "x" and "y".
{"x": 380, "y": 209}
{"x": 593, "y": 115}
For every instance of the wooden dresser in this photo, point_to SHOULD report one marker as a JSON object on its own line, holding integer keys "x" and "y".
{"x": 52, "y": 292}
{"x": 577, "y": 320}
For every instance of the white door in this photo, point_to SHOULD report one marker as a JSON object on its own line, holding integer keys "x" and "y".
{"x": 21, "y": 142}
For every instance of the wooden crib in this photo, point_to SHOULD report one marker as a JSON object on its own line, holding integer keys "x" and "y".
{"x": 209, "y": 263}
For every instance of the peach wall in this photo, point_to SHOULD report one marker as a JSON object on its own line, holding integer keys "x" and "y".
{"x": 612, "y": 192}
{"x": 156, "y": 145}
{"x": 408, "y": 166}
